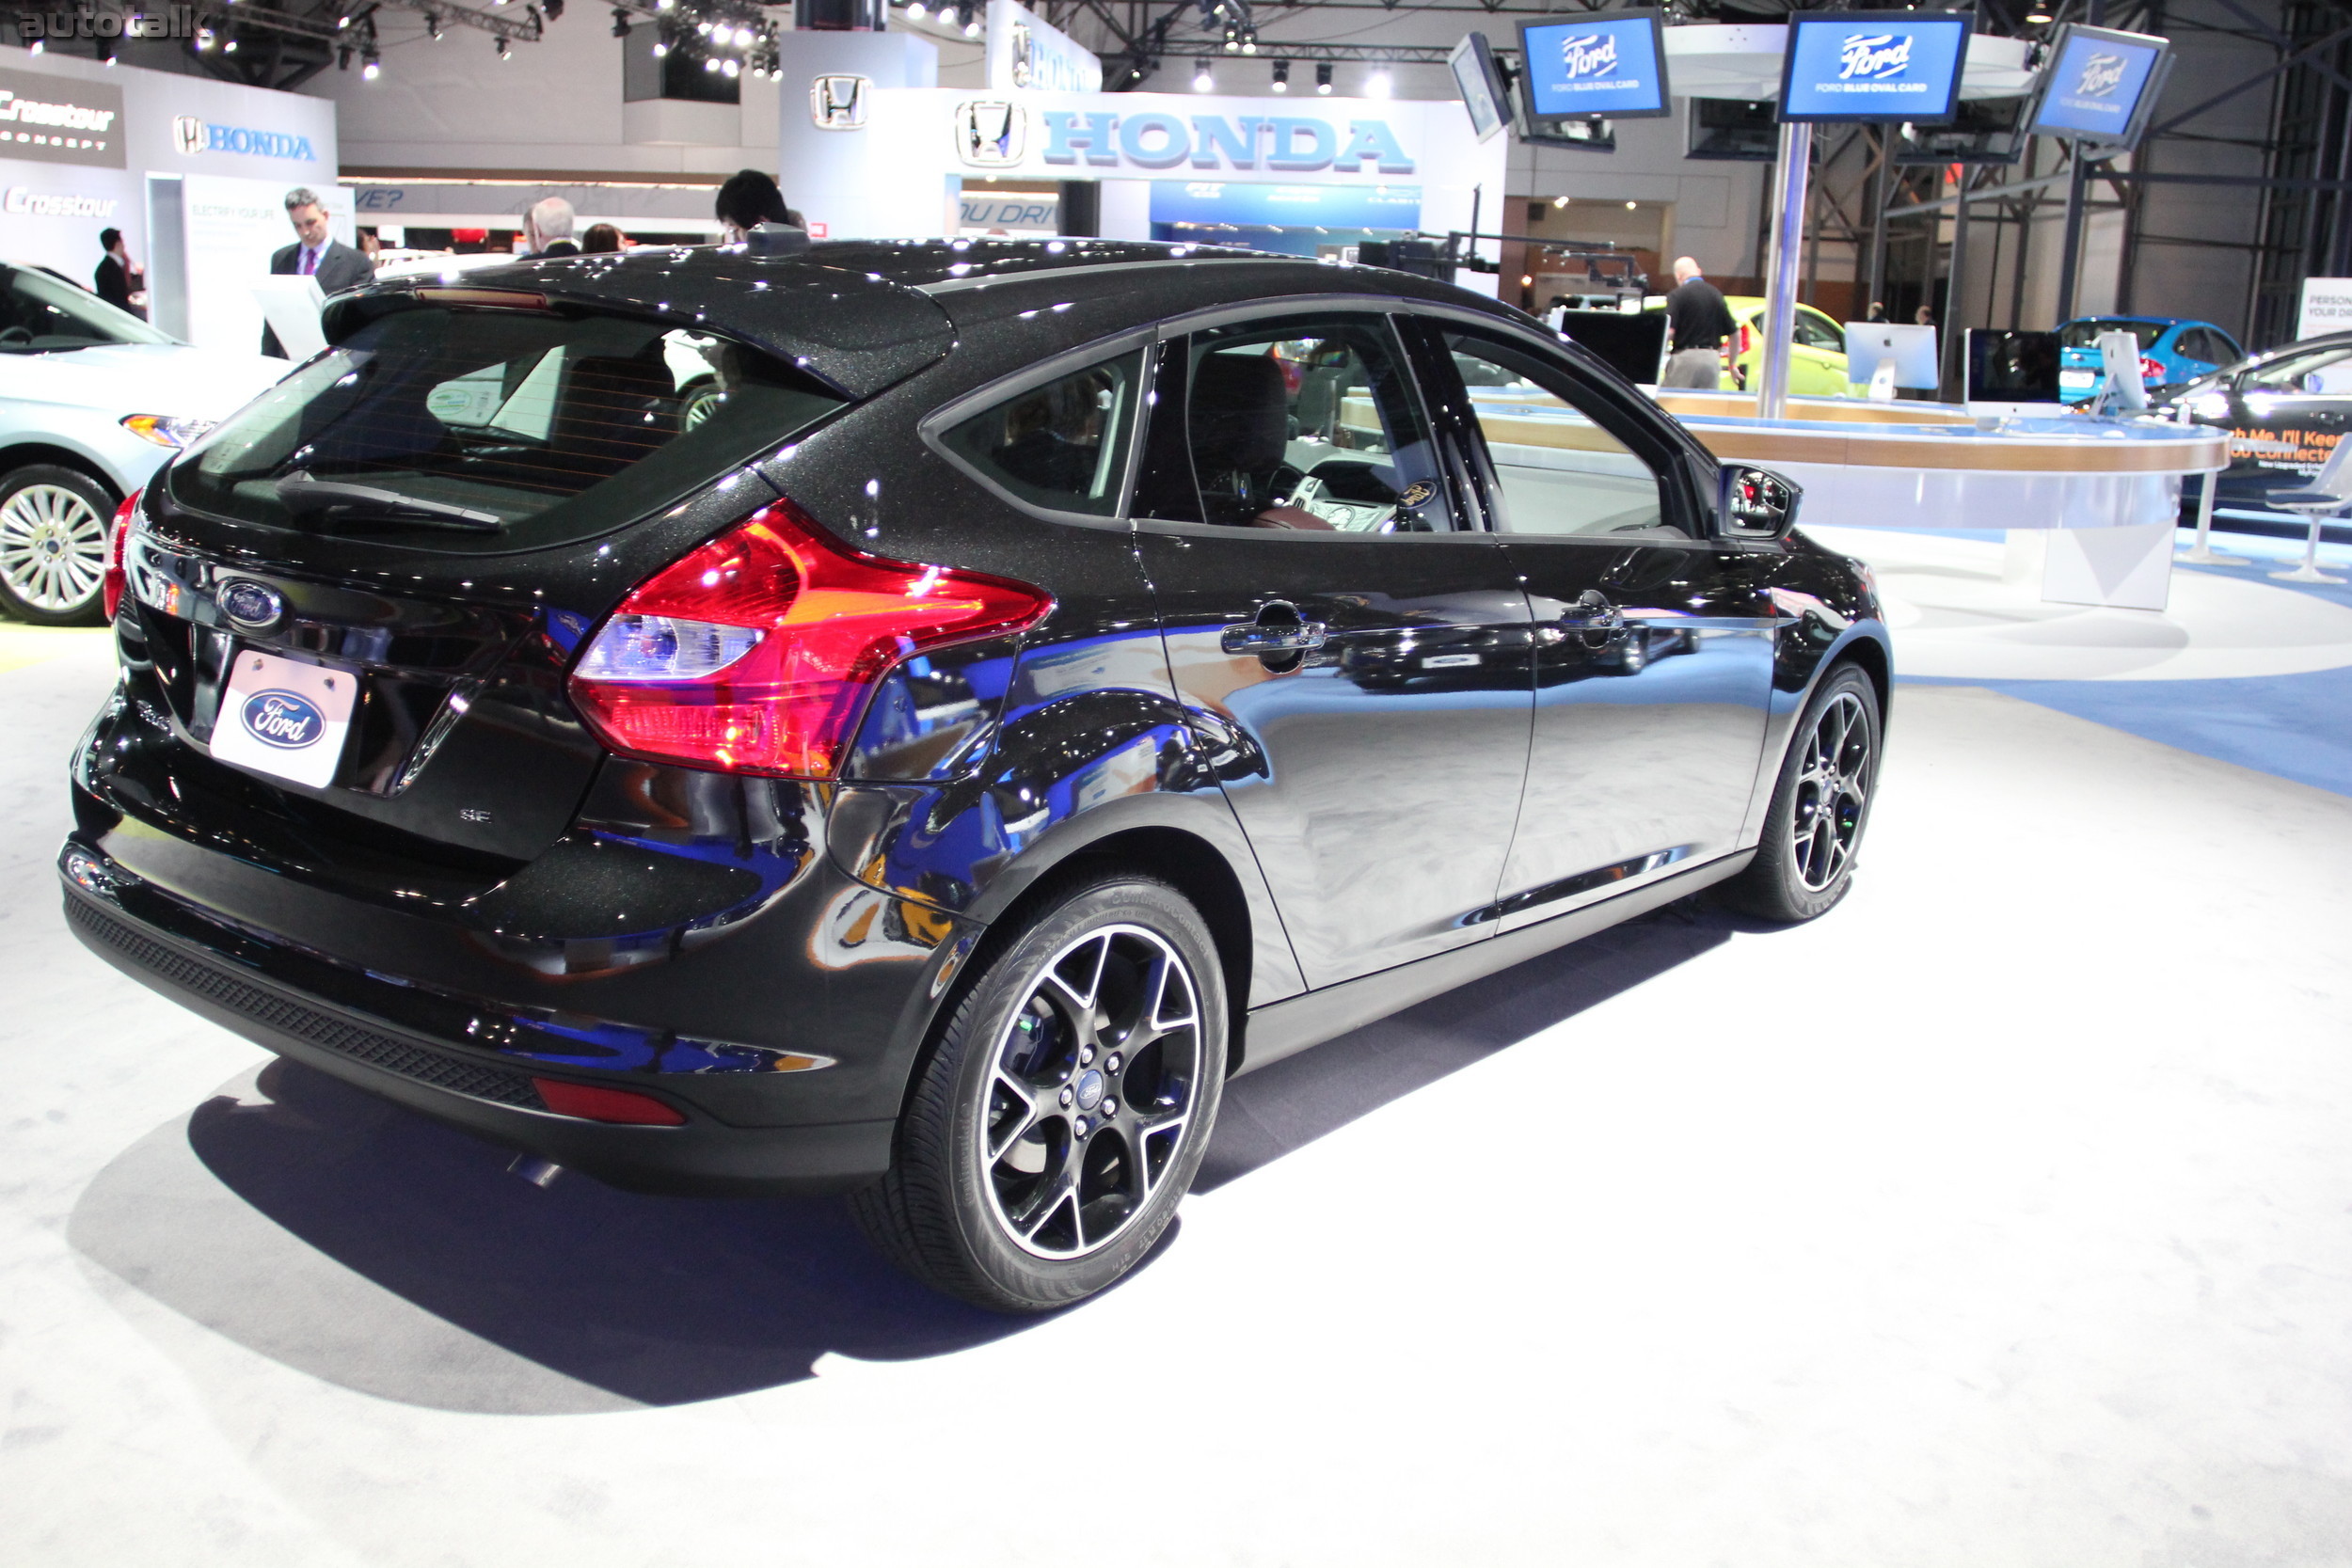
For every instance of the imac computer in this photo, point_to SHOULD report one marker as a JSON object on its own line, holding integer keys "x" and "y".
{"x": 1884, "y": 356}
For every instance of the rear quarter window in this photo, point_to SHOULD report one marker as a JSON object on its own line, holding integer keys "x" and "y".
{"x": 1062, "y": 446}
{"x": 496, "y": 430}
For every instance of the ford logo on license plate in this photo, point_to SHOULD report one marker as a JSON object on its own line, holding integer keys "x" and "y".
{"x": 286, "y": 719}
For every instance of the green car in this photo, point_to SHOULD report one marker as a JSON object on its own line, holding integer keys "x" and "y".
{"x": 1817, "y": 361}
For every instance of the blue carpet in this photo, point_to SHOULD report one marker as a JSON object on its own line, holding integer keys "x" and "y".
{"x": 2295, "y": 727}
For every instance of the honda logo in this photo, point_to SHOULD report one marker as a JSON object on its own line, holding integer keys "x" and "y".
{"x": 187, "y": 135}
{"x": 990, "y": 133}
{"x": 838, "y": 103}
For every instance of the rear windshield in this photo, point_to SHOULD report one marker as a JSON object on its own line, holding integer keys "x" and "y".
{"x": 472, "y": 430}
{"x": 2086, "y": 334}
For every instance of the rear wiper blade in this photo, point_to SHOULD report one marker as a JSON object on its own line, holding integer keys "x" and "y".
{"x": 302, "y": 493}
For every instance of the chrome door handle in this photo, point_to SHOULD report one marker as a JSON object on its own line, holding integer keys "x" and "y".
{"x": 1277, "y": 636}
{"x": 1592, "y": 614}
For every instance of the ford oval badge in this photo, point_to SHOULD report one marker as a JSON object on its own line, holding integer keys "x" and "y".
{"x": 286, "y": 719}
{"x": 251, "y": 604}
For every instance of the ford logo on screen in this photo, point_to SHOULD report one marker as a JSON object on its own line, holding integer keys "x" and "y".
{"x": 1873, "y": 56}
{"x": 1588, "y": 56}
{"x": 2102, "y": 75}
{"x": 251, "y": 604}
{"x": 286, "y": 719}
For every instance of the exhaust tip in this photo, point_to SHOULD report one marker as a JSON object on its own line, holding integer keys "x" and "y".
{"x": 538, "y": 1172}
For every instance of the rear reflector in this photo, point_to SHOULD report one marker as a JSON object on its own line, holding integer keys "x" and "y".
{"x": 757, "y": 651}
{"x": 117, "y": 541}
{"x": 592, "y": 1103}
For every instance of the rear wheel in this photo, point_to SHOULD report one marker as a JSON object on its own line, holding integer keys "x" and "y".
{"x": 1065, "y": 1108}
{"x": 1819, "y": 807}
{"x": 53, "y": 545}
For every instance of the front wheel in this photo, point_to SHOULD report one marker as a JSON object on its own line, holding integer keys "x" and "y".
{"x": 1820, "y": 805}
{"x": 1060, "y": 1117}
{"x": 54, "y": 523}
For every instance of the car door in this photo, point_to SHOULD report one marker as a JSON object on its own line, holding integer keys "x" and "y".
{"x": 1350, "y": 646}
{"x": 1653, "y": 642}
{"x": 1817, "y": 359}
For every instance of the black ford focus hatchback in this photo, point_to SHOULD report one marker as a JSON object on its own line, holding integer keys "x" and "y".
{"x": 916, "y": 719}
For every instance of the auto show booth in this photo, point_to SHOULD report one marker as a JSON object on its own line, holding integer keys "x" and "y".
{"x": 193, "y": 170}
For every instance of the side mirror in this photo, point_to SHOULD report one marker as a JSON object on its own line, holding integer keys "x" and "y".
{"x": 1756, "y": 503}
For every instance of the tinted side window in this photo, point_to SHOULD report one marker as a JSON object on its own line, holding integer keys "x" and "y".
{"x": 1816, "y": 332}
{"x": 1062, "y": 445}
{"x": 1310, "y": 423}
{"x": 2326, "y": 372}
{"x": 1560, "y": 471}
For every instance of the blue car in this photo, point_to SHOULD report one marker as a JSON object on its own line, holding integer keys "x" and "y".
{"x": 2172, "y": 351}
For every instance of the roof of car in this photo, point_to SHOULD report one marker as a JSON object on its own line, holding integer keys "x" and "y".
{"x": 865, "y": 313}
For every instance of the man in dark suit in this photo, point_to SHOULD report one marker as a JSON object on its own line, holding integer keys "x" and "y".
{"x": 121, "y": 283}
{"x": 314, "y": 254}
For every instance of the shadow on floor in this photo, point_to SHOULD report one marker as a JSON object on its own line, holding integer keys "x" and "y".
{"x": 373, "y": 1248}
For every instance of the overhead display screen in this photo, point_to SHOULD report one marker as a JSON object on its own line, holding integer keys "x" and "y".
{"x": 1873, "y": 66}
{"x": 1480, "y": 84}
{"x": 1614, "y": 69}
{"x": 2100, "y": 85}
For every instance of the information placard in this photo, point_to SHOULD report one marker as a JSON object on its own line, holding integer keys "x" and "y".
{"x": 1612, "y": 66}
{"x": 1874, "y": 66}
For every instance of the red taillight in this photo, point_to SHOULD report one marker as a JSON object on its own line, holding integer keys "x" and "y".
{"x": 591, "y": 1103}
{"x": 755, "y": 653}
{"x": 1747, "y": 339}
{"x": 2151, "y": 372}
{"x": 117, "y": 542}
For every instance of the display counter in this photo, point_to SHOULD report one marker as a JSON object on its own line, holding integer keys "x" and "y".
{"x": 2089, "y": 504}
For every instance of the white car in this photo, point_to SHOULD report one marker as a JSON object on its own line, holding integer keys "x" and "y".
{"x": 92, "y": 401}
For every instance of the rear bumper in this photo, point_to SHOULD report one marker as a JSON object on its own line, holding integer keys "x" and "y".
{"x": 242, "y": 982}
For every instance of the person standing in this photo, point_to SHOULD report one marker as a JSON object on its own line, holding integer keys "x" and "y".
{"x": 1697, "y": 322}
{"x": 547, "y": 229}
{"x": 748, "y": 199}
{"x": 602, "y": 239}
{"x": 315, "y": 253}
{"x": 121, "y": 283}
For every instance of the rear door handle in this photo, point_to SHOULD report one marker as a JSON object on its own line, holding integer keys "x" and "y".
{"x": 1282, "y": 635}
{"x": 1594, "y": 616}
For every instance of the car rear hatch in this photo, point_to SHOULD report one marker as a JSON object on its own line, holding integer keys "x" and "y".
{"x": 349, "y": 611}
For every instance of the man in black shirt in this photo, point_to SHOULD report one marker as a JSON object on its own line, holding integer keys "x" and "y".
{"x": 1698, "y": 322}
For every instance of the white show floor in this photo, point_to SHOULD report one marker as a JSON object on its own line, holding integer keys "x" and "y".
{"x": 1954, "y": 616}
{"x": 2001, "y": 1219}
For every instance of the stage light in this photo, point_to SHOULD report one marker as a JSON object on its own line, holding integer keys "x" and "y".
{"x": 1201, "y": 80}
{"x": 371, "y": 67}
{"x": 1322, "y": 77}
{"x": 503, "y": 51}
{"x": 1281, "y": 76}
{"x": 1377, "y": 86}
{"x": 971, "y": 25}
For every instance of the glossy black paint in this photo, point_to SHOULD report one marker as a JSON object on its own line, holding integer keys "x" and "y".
{"x": 482, "y": 884}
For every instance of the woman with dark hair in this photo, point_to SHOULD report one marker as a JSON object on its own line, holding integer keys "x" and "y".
{"x": 121, "y": 283}
{"x": 748, "y": 199}
{"x": 601, "y": 239}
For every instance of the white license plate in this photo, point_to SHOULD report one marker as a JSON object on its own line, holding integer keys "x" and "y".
{"x": 285, "y": 718}
{"x": 2074, "y": 379}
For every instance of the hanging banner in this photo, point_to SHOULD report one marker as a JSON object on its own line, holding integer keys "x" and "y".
{"x": 1027, "y": 52}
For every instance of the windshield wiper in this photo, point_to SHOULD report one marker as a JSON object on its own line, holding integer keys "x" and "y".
{"x": 302, "y": 493}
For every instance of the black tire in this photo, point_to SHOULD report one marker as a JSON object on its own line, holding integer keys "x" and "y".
{"x": 1820, "y": 805}
{"x": 54, "y": 524}
{"x": 1036, "y": 1068}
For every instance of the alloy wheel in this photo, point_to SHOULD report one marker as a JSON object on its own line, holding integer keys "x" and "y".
{"x": 1833, "y": 788}
{"x": 52, "y": 547}
{"x": 1091, "y": 1087}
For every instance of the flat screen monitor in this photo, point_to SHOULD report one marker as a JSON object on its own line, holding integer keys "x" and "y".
{"x": 1585, "y": 135}
{"x": 2012, "y": 367}
{"x": 1874, "y": 66}
{"x": 1480, "y": 84}
{"x": 2101, "y": 86}
{"x": 1727, "y": 129}
{"x": 1612, "y": 64}
{"x": 1632, "y": 343}
{"x": 1981, "y": 131}
{"x": 1910, "y": 348}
